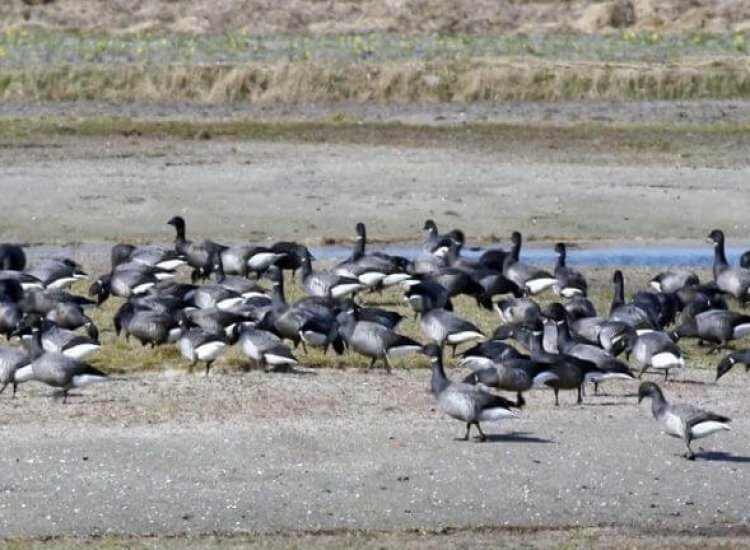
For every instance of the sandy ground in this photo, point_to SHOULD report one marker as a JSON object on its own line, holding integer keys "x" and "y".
{"x": 168, "y": 453}
{"x": 108, "y": 189}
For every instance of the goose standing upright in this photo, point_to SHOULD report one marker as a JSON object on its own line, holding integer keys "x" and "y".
{"x": 570, "y": 282}
{"x": 528, "y": 278}
{"x": 465, "y": 402}
{"x": 732, "y": 280}
{"x": 679, "y": 420}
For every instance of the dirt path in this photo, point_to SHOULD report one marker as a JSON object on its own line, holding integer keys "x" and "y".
{"x": 326, "y": 450}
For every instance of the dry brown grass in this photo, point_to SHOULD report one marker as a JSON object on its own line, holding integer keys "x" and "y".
{"x": 398, "y": 82}
{"x": 336, "y": 16}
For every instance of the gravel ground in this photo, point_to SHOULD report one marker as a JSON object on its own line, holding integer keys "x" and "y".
{"x": 168, "y": 453}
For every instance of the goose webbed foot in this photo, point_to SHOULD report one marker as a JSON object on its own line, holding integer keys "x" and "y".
{"x": 580, "y": 396}
{"x": 557, "y": 397}
{"x": 482, "y": 438}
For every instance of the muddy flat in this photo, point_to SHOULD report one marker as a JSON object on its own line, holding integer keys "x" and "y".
{"x": 325, "y": 450}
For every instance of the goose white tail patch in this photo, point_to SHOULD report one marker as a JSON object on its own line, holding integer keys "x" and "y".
{"x": 403, "y": 350}
{"x": 228, "y": 303}
{"x": 210, "y": 350}
{"x": 395, "y": 279}
{"x": 741, "y": 331}
{"x": 535, "y": 286}
{"x": 342, "y": 290}
{"x": 656, "y": 285}
{"x": 30, "y": 286}
{"x": 408, "y": 283}
{"x": 542, "y": 378}
{"x": 604, "y": 376}
{"x": 253, "y": 294}
{"x": 475, "y": 363}
{"x": 141, "y": 288}
{"x": 263, "y": 260}
{"x": 371, "y": 278}
{"x": 62, "y": 282}
{"x": 465, "y": 336}
{"x": 666, "y": 360}
{"x": 570, "y": 292}
{"x": 497, "y": 413}
{"x": 642, "y": 331}
{"x": 164, "y": 276}
{"x": 703, "y": 429}
{"x": 82, "y": 380}
{"x": 313, "y": 338}
{"x": 171, "y": 265}
{"x": 81, "y": 351}
{"x": 23, "y": 374}
{"x": 273, "y": 360}
{"x": 174, "y": 334}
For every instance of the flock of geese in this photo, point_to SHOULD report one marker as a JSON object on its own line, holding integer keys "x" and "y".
{"x": 563, "y": 345}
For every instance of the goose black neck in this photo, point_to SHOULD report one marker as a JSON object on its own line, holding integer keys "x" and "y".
{"x": 439, "y": 379}
{"x": 619, "y": 297}
{"x": 720, "y": 257}
{"x": 515, "y": 251}
{"x": 563, "y": 334}
{"x": 560, "y": 259}
{"x": 35, "y": 347}
{"x": 658, "y": 402}
{"x": 277, "y": 296}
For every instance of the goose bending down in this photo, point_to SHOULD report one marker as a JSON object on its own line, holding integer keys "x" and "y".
{"x": 125, "y": 280}
{"x": 657, "y": 351}
{"x": 264, "y": 348}
{"x": 515, "y": 375}
{"x": 465, "y": 402}
{"x": 58, "y": 340}
{"x": 445, "y": 327}
{"x": 167, "y": 259}
{"x": 10, "y": 316}
{"x": 732, "y": 280}
{"x": 629, "y": 314}
{"x": 680, "y": 420}
{"x": 716, "y": 326}
{"x": 427, "y": 295}
{"x": 197, "y": 254}
{"x": 146, "y": 326}
{"x": 486, "y": 354}
{"x": 292, "y": 255}
{"x": 739, "y": 357}
{"x": 56, "y": 369}
{"x": 196, "y": 345}
{"x": 326, "y": 283}
{"x": 57, "y": 273}
{"x": 70, "y": 315}
{"x": 11, "y": 359}
{"x": 519, "y": 311}
{"x": 570, "y": 282}
{"x": 528, "y": 278}
{"x": 374, "y": 340}
{"x": 673, "y": 280}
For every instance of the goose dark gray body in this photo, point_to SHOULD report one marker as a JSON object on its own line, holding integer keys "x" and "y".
{"x": 716, "y": 326}
{"x": 519, "y": 312}
{"x": 528, "y": 278}
{"x": 445, "y": 327}
{"x": 656, "y": 351}
{"x": 570, "y": 282}
{"x": 374, "y": 340}
{"x": 628, "y": 313}
{"x": 465, "y": 402}
{"x": 70, "y": 315}
{"x": 265, "y": 349}
{"x": 673, "y": 280}
{"x": 10, "y": 317}
{"x": 60, "y": 371}
{"x": 326, "y": 283}
{"x": 486, "y": 354}
{"x": 517, "y": 375}
{"x": 146, "y": 326}
{"x": 196, "y": 345}
{"x": 679, "y": 420}
{"x": 57, "y": 273}
{"x": 427, "y": 295}
{"x": 732, "y": 280}
{"x": 197, "y": 254}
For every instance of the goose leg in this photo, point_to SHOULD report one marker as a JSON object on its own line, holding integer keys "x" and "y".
{"x": 520, "y": 401}
{"x": 192, "y": 365}
{"x": 208, "y": 367}
{"x": 690, "y": 455}
{"x": 666, "y": 374}
{"x": 482, "y": 437}
{"x": 304, "y": 347}
{"x": 15, "y": 388}
{"x": 388, "y": 364}
{"x": 640, "y": 374}
{"x": 557, "y": 397}
{"x": 580, "y": 397}
{"x": 466, "y": 436}
{"x": 65, "y": 396}
{"x": 596, "y": 388}
{"x": 453, "y": 346}
{"x": 372, "y": 363}
{"x": 3, "y": 388}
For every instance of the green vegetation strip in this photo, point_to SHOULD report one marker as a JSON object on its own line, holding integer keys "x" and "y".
{"x": 485, "y": 79}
